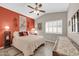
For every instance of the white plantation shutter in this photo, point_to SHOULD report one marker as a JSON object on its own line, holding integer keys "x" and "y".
{"x": 54, "y": 27}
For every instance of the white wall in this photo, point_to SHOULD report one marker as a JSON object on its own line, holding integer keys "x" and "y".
{"x": 50, "y": 17}
{"x": 71, "y": 10}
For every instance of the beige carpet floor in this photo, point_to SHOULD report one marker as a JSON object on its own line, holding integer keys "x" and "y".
{"x": 45, "y": 50}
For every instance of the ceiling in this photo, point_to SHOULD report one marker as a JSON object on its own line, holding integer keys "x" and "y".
{"x": 23, "y": 9}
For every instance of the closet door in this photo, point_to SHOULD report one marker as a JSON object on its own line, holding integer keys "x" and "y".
{"x": 22, "y": 23}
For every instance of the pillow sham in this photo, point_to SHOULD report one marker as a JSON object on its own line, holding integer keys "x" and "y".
{"x": 23, "y": 33}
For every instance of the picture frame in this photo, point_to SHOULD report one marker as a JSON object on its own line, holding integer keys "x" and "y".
{"x": 22, "y": 23}
{"x": 39, "y": 26}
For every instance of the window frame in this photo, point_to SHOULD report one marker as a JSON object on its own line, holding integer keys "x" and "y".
{"x": 56, "y": 26}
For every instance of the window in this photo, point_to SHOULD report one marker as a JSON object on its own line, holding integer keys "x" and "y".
{"x": 54, "y": 27}
{"x": 75, "y": 22}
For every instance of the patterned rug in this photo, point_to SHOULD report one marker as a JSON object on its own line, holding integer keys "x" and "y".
{"x": 11, "y": 51}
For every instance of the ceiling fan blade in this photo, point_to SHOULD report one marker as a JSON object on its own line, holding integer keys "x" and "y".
{"x": 30, "y": 6}
{"x": 31, "y": 11}
{"x": 42, "y": 11}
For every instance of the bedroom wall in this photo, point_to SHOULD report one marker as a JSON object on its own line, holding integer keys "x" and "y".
{"x": 50, "y": 17}
{"x": 73, "y": 7}
{"x": 11, "y": 19}
{"x": 30, "y": 23}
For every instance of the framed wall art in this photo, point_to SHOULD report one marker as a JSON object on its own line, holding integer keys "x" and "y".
{"x": 22, "y": 23}
{"x": 39, "y": 26}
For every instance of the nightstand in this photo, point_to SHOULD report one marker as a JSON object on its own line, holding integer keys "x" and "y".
{"x": 7, "y": 39}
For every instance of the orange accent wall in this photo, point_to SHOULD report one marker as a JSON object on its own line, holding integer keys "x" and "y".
{"x": 11, "y": 19}
{"x": 30, "y": 24}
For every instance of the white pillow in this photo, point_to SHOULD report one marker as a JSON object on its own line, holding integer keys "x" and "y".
{"x": 16, "y": 34}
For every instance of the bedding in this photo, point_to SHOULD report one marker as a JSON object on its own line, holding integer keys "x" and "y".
{"x": 28, "y": 44}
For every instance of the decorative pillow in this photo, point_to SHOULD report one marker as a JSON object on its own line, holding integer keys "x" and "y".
{"x": 23, "y": 33}
{"x": 33, "y": 32}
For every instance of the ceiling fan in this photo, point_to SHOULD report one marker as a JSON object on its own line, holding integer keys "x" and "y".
{"x": 36, "y": 9}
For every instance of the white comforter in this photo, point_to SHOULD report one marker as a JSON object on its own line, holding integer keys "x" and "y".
{"x": 27, "y": 44}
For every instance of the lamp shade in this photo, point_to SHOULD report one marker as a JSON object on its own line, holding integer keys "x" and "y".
{"x": 6, "y": 28}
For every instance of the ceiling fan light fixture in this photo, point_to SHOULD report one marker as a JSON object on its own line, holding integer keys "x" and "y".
{"x": 36, "y": 12}
{"x": 36, "y": 9}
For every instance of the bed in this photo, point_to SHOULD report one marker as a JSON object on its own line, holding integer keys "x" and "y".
{"x": 27, "y": 44}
